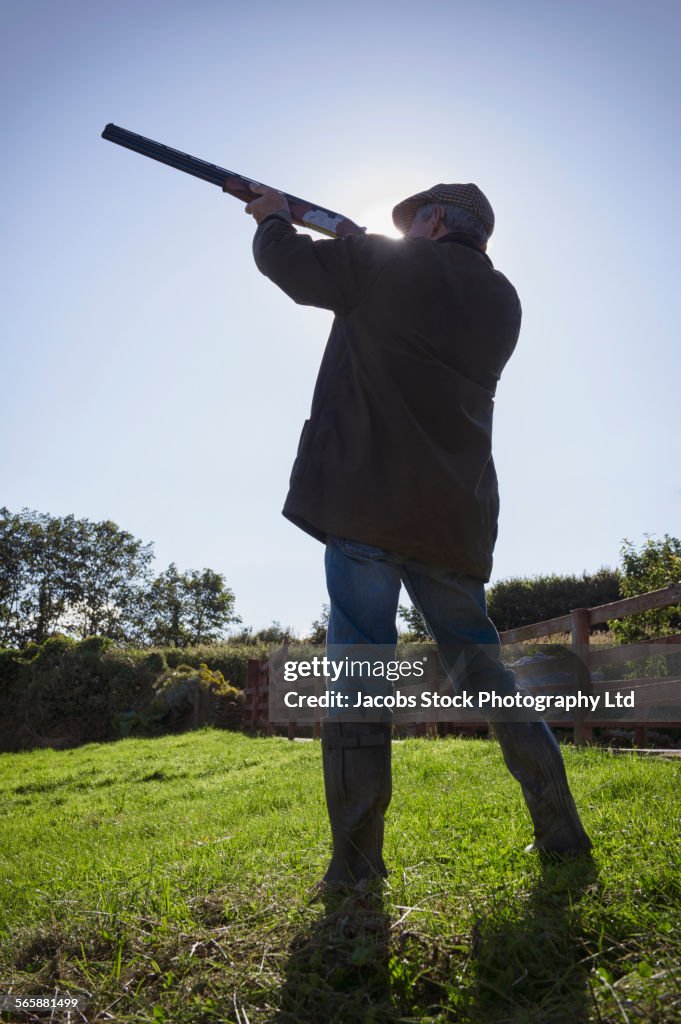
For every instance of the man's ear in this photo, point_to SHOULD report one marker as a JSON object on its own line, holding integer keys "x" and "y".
{"x": 437, "y": 218}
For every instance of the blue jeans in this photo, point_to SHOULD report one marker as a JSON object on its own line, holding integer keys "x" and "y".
{"x": 364, "y": 582}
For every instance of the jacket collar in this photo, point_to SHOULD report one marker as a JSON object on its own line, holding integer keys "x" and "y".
{"x": 459, "y": 238}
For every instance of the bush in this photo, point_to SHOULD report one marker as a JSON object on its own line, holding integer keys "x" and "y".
{"x": 210, "y": 682}
{"x": 63, "y": 693}
{"x": 53, "y": 649}
{"x": 182, "y": 698}
{"x": 9, "y": 667}
{"x": 655, "y": 565}
{"x": 520, "y": 601}
{"x": 230, "y": 659}
{"x": 95, "y": 645}
{"x": 155, "y": 663}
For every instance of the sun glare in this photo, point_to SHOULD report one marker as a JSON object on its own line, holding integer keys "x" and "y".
{"x": 377, "y": 219}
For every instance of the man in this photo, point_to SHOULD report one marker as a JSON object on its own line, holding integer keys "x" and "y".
{"x": 394, "y": 474}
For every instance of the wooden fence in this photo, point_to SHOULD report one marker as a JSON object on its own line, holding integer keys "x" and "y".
{"x": 582, "y": 662}
{"x": 589, "y": 658}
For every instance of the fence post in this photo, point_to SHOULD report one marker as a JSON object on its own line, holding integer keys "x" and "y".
{"x": 197, "y": 692}
{"x": 319, "y": 689}
{"x": 252, "y": 694}
{"x": 581, "y": 619}
{"x": 292, "y": 725}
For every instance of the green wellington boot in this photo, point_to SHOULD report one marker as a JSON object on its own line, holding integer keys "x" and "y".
{"x": 533, "y": 757}
{"x": 358, "y": 786}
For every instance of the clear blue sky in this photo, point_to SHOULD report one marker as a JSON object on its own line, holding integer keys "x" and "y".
{"x": 153, "y": 377}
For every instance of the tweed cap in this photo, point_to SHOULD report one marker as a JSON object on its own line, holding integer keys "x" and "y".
{"x": 468, "y": 197}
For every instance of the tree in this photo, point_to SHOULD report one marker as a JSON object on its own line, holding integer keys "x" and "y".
{"x": 319, "y": 627}
{"x": 189, "y": 608}
{"x": 112, "y": 570}
{"x": 655, "y": 565}
{"x": 242, "y": 637}
{"x": 417, "y": 631}
{"x": 83, "y": 578}
{"x": 209, "y": 606}
{"x": 275, "y": 634}
{"x": 164, "y": 609}
{"x": 38, "y": 574}
{"x": 14, "y": 576}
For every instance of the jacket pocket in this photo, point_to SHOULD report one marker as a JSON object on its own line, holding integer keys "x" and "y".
{"x": 297, "y": 464}
{"x": 301, "y": 440}
{"x": 364, "y": 552}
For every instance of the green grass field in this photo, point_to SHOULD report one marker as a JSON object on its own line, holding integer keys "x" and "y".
{"x": 174, "y": 880}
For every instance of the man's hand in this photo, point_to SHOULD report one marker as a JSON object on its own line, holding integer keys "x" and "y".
{"x": 269, "y": 201}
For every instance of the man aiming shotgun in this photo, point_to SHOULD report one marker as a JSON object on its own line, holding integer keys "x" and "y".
{"x": 394, "y": 474}
{"x": 394, "y": 470}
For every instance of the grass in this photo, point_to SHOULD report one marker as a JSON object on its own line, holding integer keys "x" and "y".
{"x": 174, "y": 880}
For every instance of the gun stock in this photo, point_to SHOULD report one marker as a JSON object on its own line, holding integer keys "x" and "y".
{"x": 304, "y": 213}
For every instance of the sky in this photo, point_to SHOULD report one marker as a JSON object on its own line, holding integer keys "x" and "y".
{"x": 151, "y": 375}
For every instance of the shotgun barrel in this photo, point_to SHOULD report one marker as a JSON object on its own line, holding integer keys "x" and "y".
{"x": 304, "y": 213}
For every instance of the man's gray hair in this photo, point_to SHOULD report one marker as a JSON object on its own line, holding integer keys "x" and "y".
{"x": 457, "y": 219}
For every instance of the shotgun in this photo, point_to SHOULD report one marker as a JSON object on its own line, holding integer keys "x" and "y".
{"x": 304, "y": 213}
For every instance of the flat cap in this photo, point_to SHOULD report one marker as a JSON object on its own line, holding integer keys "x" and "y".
{"x": 468, "y": 197}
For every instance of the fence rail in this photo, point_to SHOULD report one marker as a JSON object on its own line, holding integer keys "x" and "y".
{"x": 578, "y": 623}
{"x": 652, "y": 601}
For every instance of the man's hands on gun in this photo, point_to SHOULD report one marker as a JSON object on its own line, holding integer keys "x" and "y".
{"x": 268, "y": 201}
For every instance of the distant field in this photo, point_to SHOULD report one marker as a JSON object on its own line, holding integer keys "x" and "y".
{"x": 173, "y": 880}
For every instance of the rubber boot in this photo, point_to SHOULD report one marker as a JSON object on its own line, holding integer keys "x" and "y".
{"x": 533, "y": 757}
{"x": 358, "y": 787}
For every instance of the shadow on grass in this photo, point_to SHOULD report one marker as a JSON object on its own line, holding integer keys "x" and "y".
{"x": 529, "y": 955}
{"x": 338, "y": 969}
{"x": 523, "y": 963}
